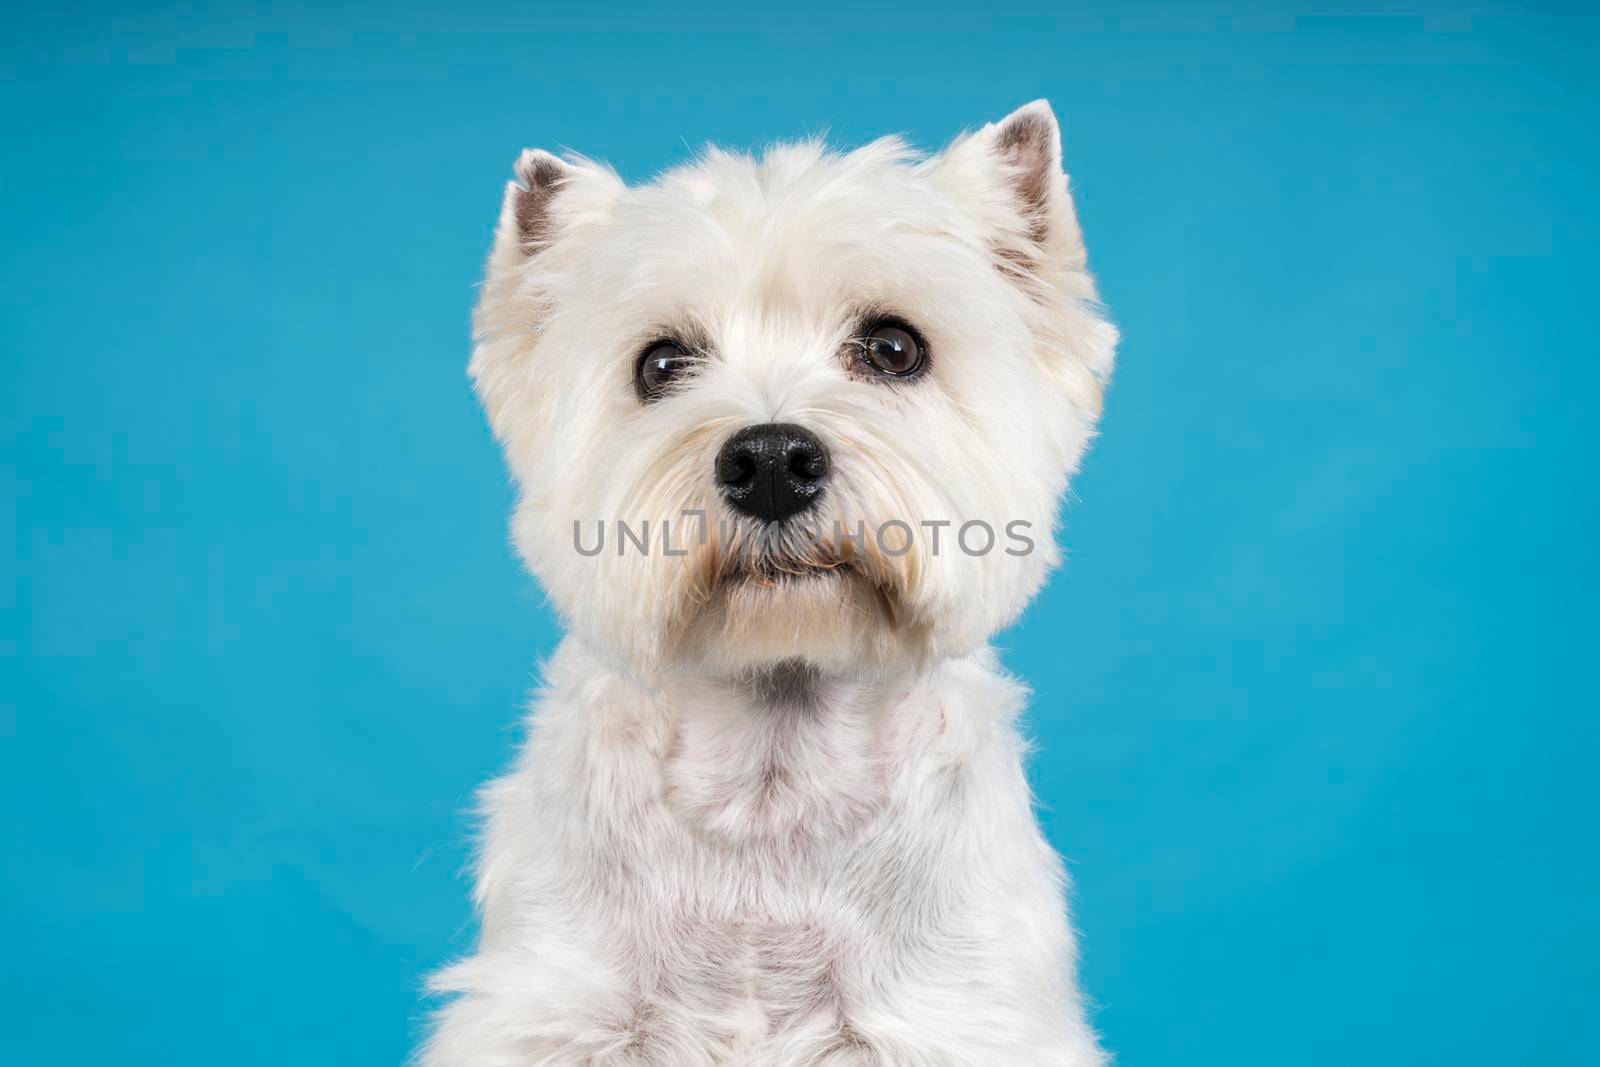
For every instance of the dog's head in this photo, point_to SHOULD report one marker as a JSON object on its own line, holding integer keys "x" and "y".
{"x": 808, "y": 406}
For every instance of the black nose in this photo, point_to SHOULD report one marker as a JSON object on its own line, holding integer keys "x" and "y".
{"x": 773, "y": 471}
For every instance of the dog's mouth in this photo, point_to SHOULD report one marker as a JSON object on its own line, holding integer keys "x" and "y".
{"x": 777, "y": 571}
{"x": 754, "y": 603}
{"x": 769, "y": 558}
{"x": 774, "y": 575}
{"x": 777, "y": 576}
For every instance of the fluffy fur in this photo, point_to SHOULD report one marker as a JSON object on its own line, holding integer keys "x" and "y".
{"x": 772, "y": 808}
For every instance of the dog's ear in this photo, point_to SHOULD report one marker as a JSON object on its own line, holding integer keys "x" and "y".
{"x": 1011, "y": 170}
{"x": 1009, "y": 174}
{"x": 549, "y": 202}
{"x": 1028, "y": 144}
{"x": 525, "y": 216}
{"x": 527, "y": 222}
{"x": 548, "y": 194}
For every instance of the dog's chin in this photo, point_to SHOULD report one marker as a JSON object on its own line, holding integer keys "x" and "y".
{"x": 835, "y": 618}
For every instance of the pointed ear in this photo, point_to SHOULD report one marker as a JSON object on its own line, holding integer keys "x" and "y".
{"x": 1028, "y": 144}
{"x": 526, "y": 222}
{"x": 549, "y": 198}
{"x": 1009, "y": 176}
{"x": 1017, "y": 161}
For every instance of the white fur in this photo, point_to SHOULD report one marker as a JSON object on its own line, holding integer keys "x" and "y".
{"x": 781, "y": 823}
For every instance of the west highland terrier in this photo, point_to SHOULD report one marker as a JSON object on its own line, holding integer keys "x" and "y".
{"x": 790, "y": 434}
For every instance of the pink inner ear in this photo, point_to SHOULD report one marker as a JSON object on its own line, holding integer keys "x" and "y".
{"x": 1027, "y": 143}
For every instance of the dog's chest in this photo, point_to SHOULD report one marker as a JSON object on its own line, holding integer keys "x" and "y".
{"x": 779, "y": 807}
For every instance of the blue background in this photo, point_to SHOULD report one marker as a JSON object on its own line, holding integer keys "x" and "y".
{"x": 1314, "y": 702}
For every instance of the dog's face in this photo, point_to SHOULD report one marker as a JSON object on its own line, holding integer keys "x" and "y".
{"x": 810, "y": 406}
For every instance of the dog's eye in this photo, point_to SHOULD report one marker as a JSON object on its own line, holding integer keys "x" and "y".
{"x": 661, "y": 365}
{"x": 891, "y": 348}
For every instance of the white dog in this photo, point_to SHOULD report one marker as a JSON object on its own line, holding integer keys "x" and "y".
{"x": 790, "y": 434}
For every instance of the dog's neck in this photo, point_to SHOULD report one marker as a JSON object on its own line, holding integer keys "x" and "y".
{"x": 776, "y": 758}
{"x": 790, "y": 685}
{"x": 785, "y": 688}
